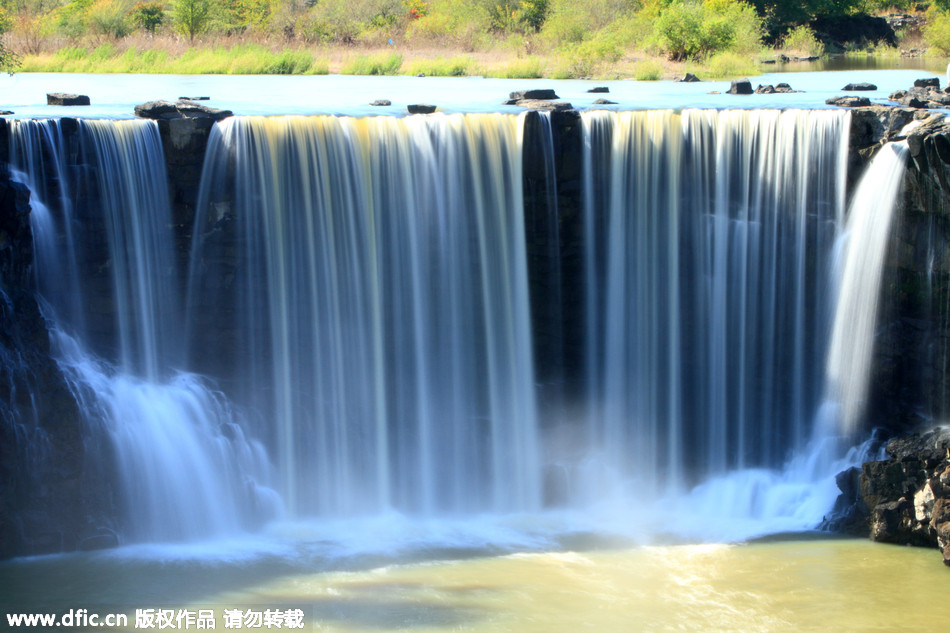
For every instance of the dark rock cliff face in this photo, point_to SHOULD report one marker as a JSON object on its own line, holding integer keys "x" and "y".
{"x": 910, "y": 386}
{"x": 906, "y": 497}
{"x": 50, "y": 500}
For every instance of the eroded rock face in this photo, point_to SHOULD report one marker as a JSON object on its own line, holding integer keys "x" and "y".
{"x": 908, "y": 495}
{"x": 50, "y": 498}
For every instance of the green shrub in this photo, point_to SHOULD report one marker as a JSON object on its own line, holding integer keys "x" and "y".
{"x": 109, "y": 18}
{"x": 527, "y": 68}
{"x": 937, "y": 30}
{"x": 289, "y": 63}
{"x": 690, "y": 29}
{"x": 459, "y": 23}
{"x": 441, "y": 67}
{"x": 148, "y": 16}
{"x": 801, "y": 39}
{"x": 648, "y": 70}
{"x": 373, "y": 65}
{"x": 729, "y": 64}
{"x": 346, "y": 21}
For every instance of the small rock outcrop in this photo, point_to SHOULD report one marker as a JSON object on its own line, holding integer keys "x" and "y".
{"x": 858, "y": 87}
{"x": 381, "y": 102}
{"x": 906, "y": 497}
{"x": 849, "y": 102}
{"x": 64, "y": 99}
{"x": 599, "y": 89}
{"x": 181, "y": 109}
{"x": 927, "y": 82}
{"x": 604, "y": 102}
{"x": 538, "y": 93}
{"x": 543, "y": 104}
{"x": 740, "y": 87}
{"x": 688, "y": 78}
{"x": 925, "y": 93}
{"x": 420, "y": 108}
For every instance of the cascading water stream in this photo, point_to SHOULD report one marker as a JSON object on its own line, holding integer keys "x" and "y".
{"x": 709, "y": 295}
{"x": 380, "y": 301}
{"x": 866, "y": 242}
{"x": 359, "y": 290}
{"x": 183, "y": 467}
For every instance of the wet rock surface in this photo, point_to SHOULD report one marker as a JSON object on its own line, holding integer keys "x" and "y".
{"x": 905, "y": 498}
{"x": 64, "y": 99}
{"x": 181, "y": 109}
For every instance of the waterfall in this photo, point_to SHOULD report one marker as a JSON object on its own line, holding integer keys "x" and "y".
{"x": 866, "y": 242}
{"x": 351, "y": 333}
{"x": 709, "y": 242}
{"x": 378, "y": 314}
{"x": 106, "y": 272}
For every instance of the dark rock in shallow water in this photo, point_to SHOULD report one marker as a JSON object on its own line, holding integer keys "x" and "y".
{"x": 688, "y": 78}
{"x": 785, "y": 88}
{"x": 420, "y": 108}
{"x": 381, "y": 102}
{"x": 599, "y": 89}
{"x": 194, "y": 98}
{"x": 166, "y": 111}
{"x": 764, "y": 90}
{"x": 740, "y": 87}
{"x": 849, "y": 102}
{"x": 859, "y": 87}
{"x": 927, "y": 82}
{"x": 63, "y": 99}
{"x": 5, "y": 112}
{"x": 604, "y": 102}
{"x": 538, "y": 93}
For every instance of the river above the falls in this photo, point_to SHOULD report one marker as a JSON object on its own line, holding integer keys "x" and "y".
{"x": 115, "y": 96}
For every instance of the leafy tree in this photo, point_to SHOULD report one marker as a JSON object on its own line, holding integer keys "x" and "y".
{"x": 109, "y": 18}
{"x": 691, "y": 29}
{"x": 149, "y": 16}
{"x": 192, "y": 17}
{"x": 8, "y": 59}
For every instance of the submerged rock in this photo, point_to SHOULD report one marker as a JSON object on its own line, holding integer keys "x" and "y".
{"x": 604, "y": 102}
{"x": 64, "y": 99}
{"x": 420, "y": 108}
{"x": 381, "y": 102}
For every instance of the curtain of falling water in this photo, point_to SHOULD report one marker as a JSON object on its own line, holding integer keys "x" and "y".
{"x": 380, "y": 298}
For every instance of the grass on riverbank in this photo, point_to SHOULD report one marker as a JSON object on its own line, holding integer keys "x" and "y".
{"x": 258, "y": 59}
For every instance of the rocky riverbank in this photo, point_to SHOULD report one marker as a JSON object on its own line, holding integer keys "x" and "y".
{"x": 903, "y": 499}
